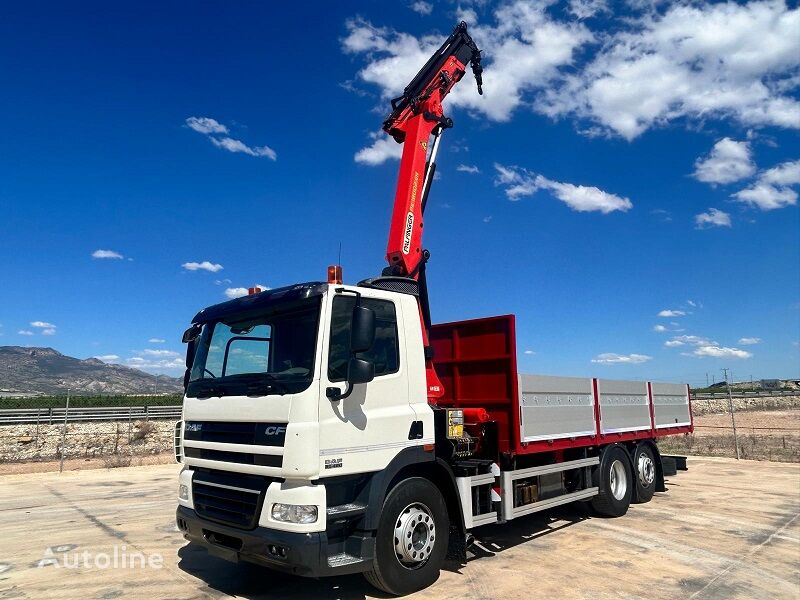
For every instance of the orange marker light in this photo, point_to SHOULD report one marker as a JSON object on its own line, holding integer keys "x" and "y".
{"x": 253, "y": 290}
{"x": 335, "y": 274}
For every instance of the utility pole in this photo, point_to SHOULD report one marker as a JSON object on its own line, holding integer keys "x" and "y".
{"x": 64, "y": 435}
{"x": 730, "y": 406}
{"x": 706, "y": 379}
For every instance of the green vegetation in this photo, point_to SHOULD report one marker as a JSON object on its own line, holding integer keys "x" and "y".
{"x": 90, "y": 401}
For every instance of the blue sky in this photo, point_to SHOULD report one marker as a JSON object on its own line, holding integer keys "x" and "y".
{"x": 625, "y": 160}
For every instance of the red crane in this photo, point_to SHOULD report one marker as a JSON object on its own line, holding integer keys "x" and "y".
{"x": 416, "y": 115}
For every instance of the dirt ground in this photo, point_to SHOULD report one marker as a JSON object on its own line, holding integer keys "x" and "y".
{"x": 725, "y": 529}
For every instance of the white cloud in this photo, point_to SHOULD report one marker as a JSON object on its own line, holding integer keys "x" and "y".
{"x": 156, "y": 341}
{"x": 712, "y": 218}
{"x": 24, "y": 332}
{"x": 383, "y": 148}
{"x": 729, "y": 161}
{"x": 524, "y": 50}
{"x": 157, "y": 365}
{"x": 771, "y": 190}
{"x": 42, "y": 325}
{"x": 202, "y": 266}
{"x": 212, "y": 129}
{"x": 163, "y": 353}
{"x": 786, "y": 173}
{"x": 720, "y": 352}
{"x": 421, "y": 7}
{"x": 472, "y": 169}
{"x": 106, "y": 254}
{"x": 487, "y": 219}
{"x": 693, "y": 61}
{"x": 749, "y": 341}
{"x": 50, "y": 331}
{"x": 529, "y": 352}
{"x": 206, "y": 125}
{"x": 585, "y": 9}
{"x": 232, "y": 145}
{"x": 519, "y": 182}
{"x": 107, "y": 357}
{"x": 689, "y": 340}
{"x": 659, "y": 328}
{"x": 671, "y": 313}
{"x": 610, "y": 358}
{"x": 238, "y": 292}
{"x": 766, "y": 197}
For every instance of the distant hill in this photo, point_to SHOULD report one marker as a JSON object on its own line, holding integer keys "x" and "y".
{"x": 46, "y": 371}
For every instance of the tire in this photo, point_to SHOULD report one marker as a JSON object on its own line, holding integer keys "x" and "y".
{"x": 415, "y": 511}
{"x": 644, "y": 473}
{"x": 614, "y": 479}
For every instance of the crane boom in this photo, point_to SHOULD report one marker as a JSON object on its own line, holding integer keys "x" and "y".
{"x": 416, "y": 115}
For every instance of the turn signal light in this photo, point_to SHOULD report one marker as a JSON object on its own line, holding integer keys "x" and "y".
{"x": 253, "y": 290}
{"x": 335, "y": 274}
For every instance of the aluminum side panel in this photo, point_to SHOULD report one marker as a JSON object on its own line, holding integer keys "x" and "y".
{"x": 555, "y": 407}
{"x": 670, "y": 404}
{"x": 624, "y": 406}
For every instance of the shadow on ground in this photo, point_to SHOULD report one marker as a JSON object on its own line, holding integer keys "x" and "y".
{"x": 255, "y": 582}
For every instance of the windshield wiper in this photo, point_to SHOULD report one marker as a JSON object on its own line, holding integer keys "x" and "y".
{"x": 260, "y": 388}
{"x": 207, "y": 390}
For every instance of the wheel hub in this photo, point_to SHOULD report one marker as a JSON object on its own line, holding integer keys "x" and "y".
{"x": 646, "y": 469}
{"x": 618, "y": 480}
{"x": 414, "y": 535}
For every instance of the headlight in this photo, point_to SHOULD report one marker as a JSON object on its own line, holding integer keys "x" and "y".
{"x": 183, "y": 492}
{"x": 455, "y": 423}
{"x": 294, "y": 513}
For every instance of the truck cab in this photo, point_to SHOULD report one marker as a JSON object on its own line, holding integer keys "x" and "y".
{"x": 285, "y": 423}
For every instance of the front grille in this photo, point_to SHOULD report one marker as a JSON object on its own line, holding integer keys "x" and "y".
{"x": 243, "y": 458}
{"x": 253, "y": 434}
{"x": 229, "y": 498}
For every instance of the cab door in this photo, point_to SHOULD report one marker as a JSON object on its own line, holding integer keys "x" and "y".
{"x": 364, "y": 431}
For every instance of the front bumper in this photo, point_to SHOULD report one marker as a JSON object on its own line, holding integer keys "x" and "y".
{"x": 306, "y": 554}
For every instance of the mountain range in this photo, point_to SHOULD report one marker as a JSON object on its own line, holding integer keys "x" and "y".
{"x": 45, "y": 371}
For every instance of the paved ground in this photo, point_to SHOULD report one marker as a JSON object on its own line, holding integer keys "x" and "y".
{"x": 724, "y": 530}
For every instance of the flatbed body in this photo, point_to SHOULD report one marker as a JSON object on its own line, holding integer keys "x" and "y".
{"x": 476, "y": 360}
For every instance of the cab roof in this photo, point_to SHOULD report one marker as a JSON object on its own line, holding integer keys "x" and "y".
{"x": 262, "y": 300}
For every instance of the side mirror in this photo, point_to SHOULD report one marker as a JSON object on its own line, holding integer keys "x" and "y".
{"x": 362, "y": 329}
{"x": 192, "y": 333}
{"x": 360, "y": 371}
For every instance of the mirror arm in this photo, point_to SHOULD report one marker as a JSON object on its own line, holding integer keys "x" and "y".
{"x": 334, "y": 393}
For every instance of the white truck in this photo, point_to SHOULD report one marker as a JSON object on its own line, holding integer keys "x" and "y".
{"x": 331, "y": 429}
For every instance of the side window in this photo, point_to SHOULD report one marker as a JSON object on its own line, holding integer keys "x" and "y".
{"x": 384, "y": 354}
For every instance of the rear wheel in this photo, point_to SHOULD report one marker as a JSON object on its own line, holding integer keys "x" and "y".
{"x": 412, "y": 538}
{"x": 644, "y": 472}
{"x": 614, "y": 478}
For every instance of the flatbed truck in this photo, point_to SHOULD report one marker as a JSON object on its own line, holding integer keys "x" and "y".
{"x": 331, "y": 429}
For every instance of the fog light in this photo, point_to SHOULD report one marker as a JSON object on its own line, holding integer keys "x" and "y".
{"x": 294, "y": 513}
{"x": 183, "y": 492}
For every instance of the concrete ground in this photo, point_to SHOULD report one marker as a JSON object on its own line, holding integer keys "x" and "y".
{"x": 725, "y": 529}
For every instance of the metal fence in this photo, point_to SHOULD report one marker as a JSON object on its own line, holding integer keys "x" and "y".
{"x": 747, "y": 427}
{"x": 52, "y": 415}
{"x": 116, "y": 435}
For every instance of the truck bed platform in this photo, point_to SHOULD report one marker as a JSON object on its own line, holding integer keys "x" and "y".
{"x": 476, "y": 362}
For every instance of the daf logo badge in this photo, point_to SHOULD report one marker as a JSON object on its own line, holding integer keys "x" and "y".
{"x": 194, "y": 426}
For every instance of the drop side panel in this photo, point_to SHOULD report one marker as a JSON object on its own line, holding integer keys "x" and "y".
{"x": 624, "y": 406}
{"x": 555, "y": 407}
{"x": 671, "y": 405}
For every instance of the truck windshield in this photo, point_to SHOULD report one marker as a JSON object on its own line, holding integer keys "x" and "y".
{"x": 272, "y": 353}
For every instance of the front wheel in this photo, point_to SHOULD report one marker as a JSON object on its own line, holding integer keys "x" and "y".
{"x": 614, "y": 478}
{"x": 412, "y": 538}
